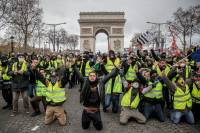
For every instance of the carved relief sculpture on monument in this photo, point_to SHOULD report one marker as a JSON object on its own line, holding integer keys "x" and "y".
{"x": 86, "y": 30}
{"x": 117, "y": 31}
{"x": 86, "y": 45}
{"x": 117, "y": 45}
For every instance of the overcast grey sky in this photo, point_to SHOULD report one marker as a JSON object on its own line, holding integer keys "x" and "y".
{"x": 137, "y": 13}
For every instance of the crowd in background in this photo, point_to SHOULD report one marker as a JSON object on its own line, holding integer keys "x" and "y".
{"x": 139, "y": 85}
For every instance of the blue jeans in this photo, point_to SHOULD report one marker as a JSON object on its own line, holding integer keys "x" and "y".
{"x": 156, "y": 110}
{"x": 176, "y": 116}
{"x": 31, "y": 90}
{"x": 114, "y": 99}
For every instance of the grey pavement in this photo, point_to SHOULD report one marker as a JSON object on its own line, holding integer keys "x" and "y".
{"x": 23, "y": 123}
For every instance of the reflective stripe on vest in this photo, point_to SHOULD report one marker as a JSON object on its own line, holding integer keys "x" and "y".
{"x": 117, "y": 88}
{"x": 167, "y": 69}
{"x": 126, "y": 100}
{"x": 55, "y": 93}
{"x": 195, "y": 94}
{"x": 187, "y": 69}
{"x": 41, "y": 89}
{"x": 23, "y": 67}
{"x": 109, "y": 65}
{"x": 155, "y": 92}
{"x": 88, "y": 69}
{"x": 131, "y": 74}
{"x": 5, "y": 76}
{"x": 182, "y": 99}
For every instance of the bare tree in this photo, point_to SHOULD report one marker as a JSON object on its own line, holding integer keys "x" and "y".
{"x": 72, "y": 41}
{"x": 63, "y": 37}
{"x": 18, "y": 35}
{"x": 194, "y": 21}
{"x": 68, "y": 41}
{"x": 4, "y": 11}
{"x": 50, "y": 36}
{"x": 185, "y": 22}
{"x": 39, "y": 32}
{"x": 25, "y": 15}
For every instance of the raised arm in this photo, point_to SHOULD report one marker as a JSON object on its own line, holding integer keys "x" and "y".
{"x": 168, "y": 82}
{"x": 77, "y": 72}
{"x": 154, "y": 55}
{"x": 113, "y": 73}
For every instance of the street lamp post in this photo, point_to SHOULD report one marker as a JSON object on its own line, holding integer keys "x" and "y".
{"x": 44, "y": 47}
{"x": 159, "y": 32}
{"x": 54, "y": 30}
{"x": 12, "y": 47}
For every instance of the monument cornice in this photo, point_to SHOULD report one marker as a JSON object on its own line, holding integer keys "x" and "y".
{"x": 102, "y": 13}
{"x": 102, "y": 20}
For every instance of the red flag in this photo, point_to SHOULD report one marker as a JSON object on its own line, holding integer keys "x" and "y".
{"x": 173, "y": 46}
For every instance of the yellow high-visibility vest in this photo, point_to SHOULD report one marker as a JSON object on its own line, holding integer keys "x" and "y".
{"x": 182, "y": 99}
{"x": 195, "y": 94}
{"x": 23, "y": 67}
{"x": 88, "y": 69}
{"x": 117, "y": 88}
{"x": 126, "y": 100}
{"x": 109, "y": 65}
{"x": 41, "y": 89}
{"x": 55, "y": 94}
{"x": 156, "y": 92}
{"x": 5, "y": 76}
{"x": 131, "y": 73}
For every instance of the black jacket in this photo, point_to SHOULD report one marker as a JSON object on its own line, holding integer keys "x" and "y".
{"x": 85, "y": 91}
{"x": 19, "y": 81}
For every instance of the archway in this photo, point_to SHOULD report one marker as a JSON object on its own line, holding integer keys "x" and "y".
{"x": 101, "y": 41}
{"x": 110, "y": 23}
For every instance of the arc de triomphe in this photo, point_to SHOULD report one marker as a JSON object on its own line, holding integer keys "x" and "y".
{"x": 110, "y": 23}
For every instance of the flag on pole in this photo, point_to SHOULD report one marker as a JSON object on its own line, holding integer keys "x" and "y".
{"x": 174, "y": 43}
{"x": 144, "y": 38}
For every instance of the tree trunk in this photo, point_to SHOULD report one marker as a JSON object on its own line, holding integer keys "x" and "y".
{"x": 184, "y": 41}
{"x": 25, "y": 38}
{"x": 25, "y": 41}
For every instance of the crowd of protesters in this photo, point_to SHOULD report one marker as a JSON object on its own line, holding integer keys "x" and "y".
{"x": 138, "y": 85}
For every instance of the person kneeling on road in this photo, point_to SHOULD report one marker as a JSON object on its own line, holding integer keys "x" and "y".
{"x": 91, "y": 95}
{"x": 131, "y": 102}
{"x": 55, "y": 98}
